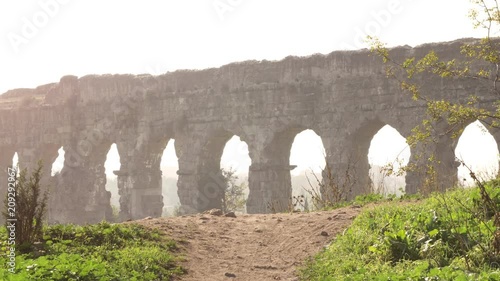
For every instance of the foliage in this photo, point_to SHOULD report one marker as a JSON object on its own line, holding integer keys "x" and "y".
{"x": 30, "y": 207}
{"x": 177, "y": 211}
{"x": 370, "y": 198}
{"x": 477, "y": 63}
{"x": 456, "y": 114}
{"x": 116, "y": 212}
{"x": 234, "y": 193}
{"x": 480, "y": 61}
{"x": 445, "y": 237}
{"x": 95, "y": 252}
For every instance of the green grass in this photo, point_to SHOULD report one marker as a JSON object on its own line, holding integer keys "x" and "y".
{"x": 365, "y": 199}
{"x": 445, "y": 237}
{"x": 104, "y": 252}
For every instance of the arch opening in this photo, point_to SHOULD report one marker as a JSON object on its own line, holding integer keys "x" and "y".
{"x": 58, "y": 164}
{"x": 478, "y": 149}
{"x": 307, "y": 154}
{"x": 234, "y": 164}
{"x": 169, "y": 166}
{"x": 112, "y": 164}
{"x": 388, "y": 149}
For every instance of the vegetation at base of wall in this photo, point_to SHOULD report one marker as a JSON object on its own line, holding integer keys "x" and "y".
{"x": 27, "y": 204}
{"x": 447, "y": 236}
{"x": 106, "y": 252}
{"x": 364, "y": 199}
{"x": 359, "y": 201}
{"x": 233, "y": 198}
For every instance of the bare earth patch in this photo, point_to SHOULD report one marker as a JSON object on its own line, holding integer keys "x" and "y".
{"x": 251, "y": 247}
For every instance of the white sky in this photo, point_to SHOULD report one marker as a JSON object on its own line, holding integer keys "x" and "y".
{"x": 44, "y": 40}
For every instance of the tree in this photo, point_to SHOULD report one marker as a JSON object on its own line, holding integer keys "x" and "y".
{"x": 234, "y": 193}
{"x": 29, "y": 209}
{"x": 479, "y": 62}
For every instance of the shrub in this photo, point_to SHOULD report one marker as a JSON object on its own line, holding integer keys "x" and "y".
{"x": 234, "y": 193}
{"x": 30, "y": 207}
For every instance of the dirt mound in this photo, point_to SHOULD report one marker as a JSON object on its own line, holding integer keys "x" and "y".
{"x": 251, "y": 247}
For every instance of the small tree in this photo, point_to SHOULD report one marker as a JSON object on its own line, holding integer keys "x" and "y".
{"x": 30, "y": 208}
{"x": 479, "y": 61}
{"x": 234, "y": 193}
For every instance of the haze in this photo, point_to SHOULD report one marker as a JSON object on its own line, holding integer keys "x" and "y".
{"x": 123, "y": 36}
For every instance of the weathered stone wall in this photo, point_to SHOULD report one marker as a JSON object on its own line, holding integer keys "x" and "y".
{"x": 344, "y": 97}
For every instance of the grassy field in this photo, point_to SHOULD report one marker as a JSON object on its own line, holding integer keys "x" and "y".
{"x": 445, "y": 237}
{"x": 101, "y": 252}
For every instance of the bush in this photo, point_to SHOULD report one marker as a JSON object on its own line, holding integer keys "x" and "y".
{"x": 30, "y": 207}
{"x": 234, "y": 193}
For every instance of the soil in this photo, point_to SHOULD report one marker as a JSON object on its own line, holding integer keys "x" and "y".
{"x": 251, "y": 247}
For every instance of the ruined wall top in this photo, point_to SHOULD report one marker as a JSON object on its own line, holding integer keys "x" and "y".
{"x": 343, "y": 95}
{"x": 247, "y": 76}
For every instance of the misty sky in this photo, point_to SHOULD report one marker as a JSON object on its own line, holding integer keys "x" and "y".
{"x": 44, "y": 40}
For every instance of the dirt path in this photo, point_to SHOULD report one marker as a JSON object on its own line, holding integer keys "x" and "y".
{"x": 251, "y": 247}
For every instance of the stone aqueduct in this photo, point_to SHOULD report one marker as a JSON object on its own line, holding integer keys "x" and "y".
{"x": 344, "y": 97}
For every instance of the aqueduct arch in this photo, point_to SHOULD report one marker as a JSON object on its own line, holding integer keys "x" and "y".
{"x": 345, "y": 97}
